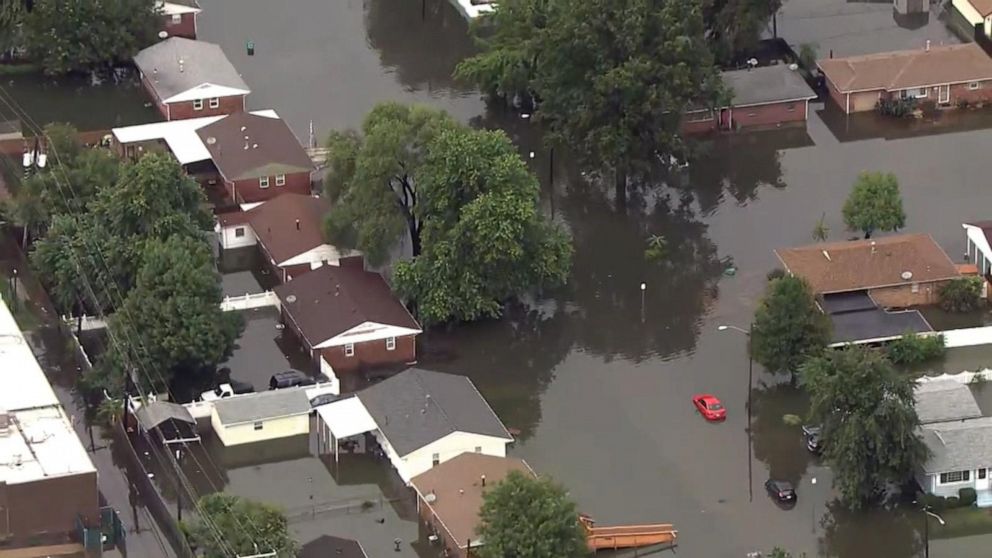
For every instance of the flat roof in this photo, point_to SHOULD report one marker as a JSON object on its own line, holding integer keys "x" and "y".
{"x": 870, "y": 326}
{"x": 266, "y": 405}
{"x": 853, "y": 301}
{"x": 41, "y": 441}
{"x": 767, "y": 84}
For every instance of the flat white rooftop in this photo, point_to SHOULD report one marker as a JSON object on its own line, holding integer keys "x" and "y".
{"x": 40, "y": 441}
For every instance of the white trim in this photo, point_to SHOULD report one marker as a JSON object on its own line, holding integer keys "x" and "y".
{"x": 263, "y": 185}
{"x": 349, "y": 349}
{"x": 390, "y": 343}
{"x": 214, "y": 102}
{"x": 206, "y": 90}
{"x": 197, "y": 104}
{"x": 368, "y": 331}
{"x": 325, "y": 252}
{"x": 169, "y": 8}
{"x": 281, "y": 182}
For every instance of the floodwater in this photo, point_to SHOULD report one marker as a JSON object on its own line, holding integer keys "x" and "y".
{"x": 598, "y": 376}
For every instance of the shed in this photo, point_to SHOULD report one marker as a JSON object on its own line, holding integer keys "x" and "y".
{"x": 256, "y": 417}
{"x": 170, "y": 421}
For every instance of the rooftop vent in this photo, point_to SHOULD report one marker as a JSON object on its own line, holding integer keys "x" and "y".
{"x": 906, "y": 275}
{"x": 291, "y": 299}
{"x": 211, "y": 140}
{"x": 430, "y": 497}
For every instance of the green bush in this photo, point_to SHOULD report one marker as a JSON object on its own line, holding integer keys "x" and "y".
{"x": 953, "y": 502}
{"x": 896, "y": 107}
{"x": 776, "y": 273}
{"x": 934, "y": 502}
{"x": 963, "y": 294}
{"x": 967, "y": 496}
{"x": 914, "y": 349}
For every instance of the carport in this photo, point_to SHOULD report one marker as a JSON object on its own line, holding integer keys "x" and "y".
{"x": 173, "y": 423}
{"x": 344, "y": 418}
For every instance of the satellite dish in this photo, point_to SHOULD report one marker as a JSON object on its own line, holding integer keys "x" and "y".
{"x": 163, "y": 34}
{"x": 211, "y": 140}
{"x": 907, "y": 275}
{"x": 291, "y": 299}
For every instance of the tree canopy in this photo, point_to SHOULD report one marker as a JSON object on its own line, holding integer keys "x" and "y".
{"x": 869, "y": 422}
{"x": 874, "y": 204}
{"x": 242, "y": 524}
{"x": 465, "y": 201}
{"x": 66, "y": 36}
{"x": 735, "y": 26}
{"x": 788, "y": 327}
{"x": 529, "y": 518}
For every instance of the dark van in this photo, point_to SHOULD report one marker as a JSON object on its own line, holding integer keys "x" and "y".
{"x": 289, "y": 378}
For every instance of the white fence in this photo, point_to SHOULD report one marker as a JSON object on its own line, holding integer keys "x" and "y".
{"x": 90, "y": 323}
{"x": 249, "y": 301}
{"x": 968, "y": 337}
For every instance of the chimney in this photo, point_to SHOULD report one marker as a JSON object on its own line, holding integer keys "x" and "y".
{"x": 928, "y": 45}
{"x": 297, "y": 224}
{"x": 483, "y": 480}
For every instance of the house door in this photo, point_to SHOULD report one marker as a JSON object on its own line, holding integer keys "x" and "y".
{"x": 982, "y": 479}
{"x": 944, "y": 94}
{"x": 726, "y": 120}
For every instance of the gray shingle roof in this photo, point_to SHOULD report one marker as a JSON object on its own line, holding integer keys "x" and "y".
{"x": 417, "y": 407}
{"x": 262, "y": 406}
{"x": 153, "y": 414}
{"x": 959, "y": 445}
{"x": 202, "y": 63}
{"x": 945, "y": 400}
{"x": 766, "y": 85}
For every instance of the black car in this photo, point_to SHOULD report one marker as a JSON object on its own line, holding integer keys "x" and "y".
{"x": 323, "y": 399}
{"x": 814, "y": 441}
{"x": 289, "y": 378}
{"x": 781, "y": 491}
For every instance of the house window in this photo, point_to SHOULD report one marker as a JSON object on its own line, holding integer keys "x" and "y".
{"x": 215, "y": 103}
{"x": 197, "y": 104}
{"x": 955, "y": 476}
{"x": 239, "y": 232}
{"x": 280, "y": 180}
{"x": 390, "y": 343}
{"x": 791, "y": 107}
{"x": 435, "y": 459}
{"x": 177, "y": 19}
{"x": 918, "y": 93}
{"x": 258, "y": 425}
{"x": 349, "y": 350}
{"x": 974, "y": 85}
{"x": 982, "y": 473}
{"x": 263, "y": 182}
{"x": 915, "y": 288}
{"x": 478, "y": 449}
{"x": 699, "y": 116}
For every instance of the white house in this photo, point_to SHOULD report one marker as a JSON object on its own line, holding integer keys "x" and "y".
{"x": 256, "y": 417}
{"x": 976, "y": 12}
{"x": 421, "y": 419}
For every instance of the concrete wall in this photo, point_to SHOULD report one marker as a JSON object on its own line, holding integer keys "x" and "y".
{"x": 902, "y": 296}
{"x": 372, "y": 353}
{"x": 186, "y": 27}
{"x": 49, "y": 506}
{"x": 228, "y": 105}
{"x": 271, "y": 429}
{"x": 448, "y": 448}
{"x": 248, "y": 191}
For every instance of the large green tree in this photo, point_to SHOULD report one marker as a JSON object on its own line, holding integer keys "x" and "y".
{"x": 526, "y": 517}
{"x": 465, "y": 200}
{"x": 870, "y": 426}
{"x": 235, "y": 524}
{"x": 171, "y": 322}
{"x": 81, "y": 35}
{"x": 874, "y": 204}
{"x": 734, "y": 26}
{"x": 788, "y": 326}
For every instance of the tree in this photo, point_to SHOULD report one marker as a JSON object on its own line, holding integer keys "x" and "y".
{"x": 788, "y": 327}
{"x": 241, "y": 524}
{"x": 820, "y": 230}
{"x": 874, "y": 204}
{"x": 735, "y": 26}
{"x": 869, "y": 422}
{"x": 464, "y": 199}
{"x": 66, "y": 36}
{"x": 171, "y": 322}
{"x": 529, "y": 518}
{"x": 963, "y": 294}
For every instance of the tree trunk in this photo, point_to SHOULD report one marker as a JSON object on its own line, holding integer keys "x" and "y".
{"x": 414, "y": 239}
{"x": 24, "y": 238}
{"x": 621, "y": 187}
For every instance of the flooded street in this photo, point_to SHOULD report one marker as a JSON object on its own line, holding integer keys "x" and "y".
{"x": 598, "y": 377}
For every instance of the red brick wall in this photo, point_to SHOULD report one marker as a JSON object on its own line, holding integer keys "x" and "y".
{"x": 838, "y": 98}
{"x": 902, "y": 296}
{"x": 50, "y": 506}
{"x": 185, "y": 28}
{"x": 372, "y": 353}
{"x": 960, "y": 92}
{"x": 248, "y": 191}
{"x": 228, "y": 105}
{"x": 699, "y": 126}
{"x": 770, "y": 115}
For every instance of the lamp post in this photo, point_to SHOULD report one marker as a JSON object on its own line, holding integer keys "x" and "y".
{"x": 644, "y": 287}
{"x": 750, "y": 377}
{"x": 927, "y": 514}
{"x": 812, "y": 507}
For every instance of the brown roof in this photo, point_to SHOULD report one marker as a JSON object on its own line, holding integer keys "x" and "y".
{"x": 232, "y": 218}
{"x": 863, "y": 264}
{"x": 330, "y": 300}
{"x": 457, "y": 490}
{"x": 906, "y": 69}
{"x": 289, "y": 225}
{"x": 983, "y": 7}
{"x": 272, "y": 149}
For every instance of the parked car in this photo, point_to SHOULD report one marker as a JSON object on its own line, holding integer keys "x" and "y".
{"x": 289, "y": 378}
{"x": 323, "y": 399}
{"x": 781, "y": 491}
{"x": 225, "y": 390}
{"x": 709, "y": 406}
{"x": 814, "y": 441}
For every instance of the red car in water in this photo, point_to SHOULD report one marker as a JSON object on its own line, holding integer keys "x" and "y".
{"x": 709, "y": 406}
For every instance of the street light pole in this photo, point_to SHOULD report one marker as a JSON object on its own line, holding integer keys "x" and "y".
{"x": 750, "y": 382}
{"x": 927, "y": 514}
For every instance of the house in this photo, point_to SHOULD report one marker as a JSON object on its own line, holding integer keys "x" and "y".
{"x": 257, "y": 157}
{"x": 945, "y": 75}
{"x": 256, "y": 417}
{"x": 976, "y": 12}
{"x": 348, "y": 318}
{"x": 978, "y": 245}
{"x": 179, "y": 17}
{"x": 769, "y": 96}
{"x": 327, "y": 546}
{"x": 895, "y": 271}
{"x": 188, "y": 79}
{"x": 48, "y": 484}
{"x": 449, "y": 497}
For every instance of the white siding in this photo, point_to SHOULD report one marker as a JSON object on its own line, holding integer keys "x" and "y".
{"x": 316, "y": 257}
{"x": 271, "y": 429}
{"x": 965, "y": 8}
{"x": 447, "y": 448}
{"x": 229, "y": 238}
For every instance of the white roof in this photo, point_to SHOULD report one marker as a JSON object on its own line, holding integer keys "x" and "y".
{"x": 41, "y": 441}
{"x": 168, "y": 8}
{"x": 347, "y": 417}
{"x": 179, "y": 135}
{"x": 206, "y": 91}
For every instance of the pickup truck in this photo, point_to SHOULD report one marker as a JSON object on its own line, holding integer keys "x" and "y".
{"x": 226, "y": 390}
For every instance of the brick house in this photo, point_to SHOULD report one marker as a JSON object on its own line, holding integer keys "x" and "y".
{"x": 449, "y": 497}
{"x": 348, "y": 318}
{"x": 179, "y": 17}
{"x": 189, "y": 79}
{"x": 946, "y": 76}
{"x": 257, "y": 157}
{"x": 765, "y": 97}
{"x": 976, "y": 12}
{"x": 895, "y": 271}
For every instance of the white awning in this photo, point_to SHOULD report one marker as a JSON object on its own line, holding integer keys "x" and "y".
{"x": 347, "y": 417}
